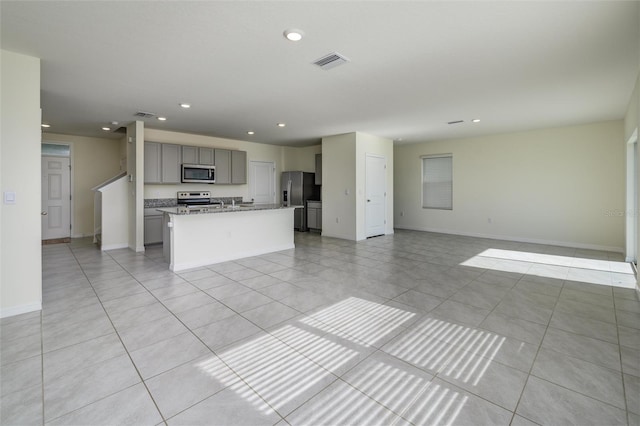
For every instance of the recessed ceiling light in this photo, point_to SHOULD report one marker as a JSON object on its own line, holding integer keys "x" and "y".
{"x": 106, "y": 129}
{"x": 293, "y": 35}
{"x": 475, "y": 120}
{"x": 46, "y": 126}
{"x": 251, "y": 132}
{"x": 185, "y": 106}
{"x": 162, "y": 118}
{"x": 282, "y": 124}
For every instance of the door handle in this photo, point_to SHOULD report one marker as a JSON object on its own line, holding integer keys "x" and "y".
{"x": 44, "y": 213}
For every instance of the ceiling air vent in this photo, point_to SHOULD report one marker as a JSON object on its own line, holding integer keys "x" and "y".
{"x": 143, "y": 114}
{"x": 331, "y": 60}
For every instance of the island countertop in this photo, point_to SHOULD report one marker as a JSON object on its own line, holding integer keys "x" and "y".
{"x": 184, "y": 211}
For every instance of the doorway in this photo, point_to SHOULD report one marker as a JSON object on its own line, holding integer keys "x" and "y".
{"x": 56, "y": 211}
{"x": 262, "y": 182}
{"x": 376, "y": 194}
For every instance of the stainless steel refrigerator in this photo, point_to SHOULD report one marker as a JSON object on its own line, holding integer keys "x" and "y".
{"x": 296, "y": 189}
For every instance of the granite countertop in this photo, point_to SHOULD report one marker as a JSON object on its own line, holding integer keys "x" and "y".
{"x": 182, "y": 211}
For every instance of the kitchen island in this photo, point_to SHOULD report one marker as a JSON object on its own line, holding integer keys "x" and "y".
{"x": 198, "y": 237}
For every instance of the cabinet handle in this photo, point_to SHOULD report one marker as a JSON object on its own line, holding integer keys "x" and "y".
{"x": 44, "y": 213}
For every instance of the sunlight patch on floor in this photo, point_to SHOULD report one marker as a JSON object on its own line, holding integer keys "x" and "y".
{"x": 460, "y": 352}
{"x": 284, "y": 365}
{"x": 360, "y": 320}
{"x": 579, "y": 269}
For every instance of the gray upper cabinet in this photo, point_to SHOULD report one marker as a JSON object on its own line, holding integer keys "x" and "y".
{"x": 318, "y": 169}
{"x": 163, "y": 161}
{"x": 197, "y": 155}
{"x": 238, "y": 167}
{"x": 190, "y": 155}
{"x": 223, "y": 165}
{"x": 206, "y": 156}
{"x": 152, "y": 162}
{"x": 171, "y": 161}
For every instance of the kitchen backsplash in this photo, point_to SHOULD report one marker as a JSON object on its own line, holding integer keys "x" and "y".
{"x": 159, "y": 202}
{"x": 150, "y": 203}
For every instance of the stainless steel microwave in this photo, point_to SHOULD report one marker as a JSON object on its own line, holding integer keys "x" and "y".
{"x": 198, "y": 173}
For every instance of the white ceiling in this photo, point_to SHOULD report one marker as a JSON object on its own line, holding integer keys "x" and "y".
{"x": 414, "y": 65}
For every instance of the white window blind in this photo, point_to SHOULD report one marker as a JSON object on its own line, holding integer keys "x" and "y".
{"x": 437, "y": 182}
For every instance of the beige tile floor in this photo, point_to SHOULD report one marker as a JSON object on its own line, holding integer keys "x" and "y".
{"x": 412, "y": 328}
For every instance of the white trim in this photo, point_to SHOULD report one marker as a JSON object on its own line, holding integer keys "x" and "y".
{"x": 366, "y": 187}
{"x": 81, "y": 235}
{"x": 22, "y": 309}
{"x": 114, "y": 246}
{"x": 72, "y": 180}
{"x": 631, "y": 219}
{"x": 422, "y": 181}
{"x": 274, "y": 197}
{"x": 436, "y": 156}
{"x": 339, "y": 236}
{"x": 517, "y": 239}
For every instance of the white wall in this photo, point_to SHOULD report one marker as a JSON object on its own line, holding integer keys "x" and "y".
{"x": 338, "y": 186}
{"x": 560, "y": 186}
{"x": 343, "y": 183}
{"x": 631, "y": 125}
{"x": 255, "y": 151}
{"x": 632, "y": 117}
{"x": 94, "y": 161}
{"x": 369, "y": 144}
{"x": 135, "y": 169}
{"x": 20, "y": 229}
{"x": 300, "y": 159}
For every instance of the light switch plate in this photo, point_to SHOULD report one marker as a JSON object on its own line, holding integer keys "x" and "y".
{"x": 9, "y": 197}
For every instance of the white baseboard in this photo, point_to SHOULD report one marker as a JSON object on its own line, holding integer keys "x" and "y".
{"x": 81, "y": 235}
{"x": 22, "y": 309}
{"x": 115, "y": 246}
{"x": 341, "y": 237}
{"x": 517, "y": 239}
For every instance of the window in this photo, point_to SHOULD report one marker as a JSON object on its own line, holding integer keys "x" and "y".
{"x": 56, "y": 150}
{"x": 437, "y": 182}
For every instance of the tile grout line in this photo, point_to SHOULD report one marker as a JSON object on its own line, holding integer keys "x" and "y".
{"x": 119, "y": 338}
{"x": 624, "y": 383}
{"x": 318, "y": 249}
{"x": 539, "y": 347}
{"x": 42, "y": 361}
{"x": 199, "y": 339}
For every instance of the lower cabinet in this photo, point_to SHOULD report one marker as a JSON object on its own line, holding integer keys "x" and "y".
{"x": 153, "y": 229}
{"x": 314, "y": 215}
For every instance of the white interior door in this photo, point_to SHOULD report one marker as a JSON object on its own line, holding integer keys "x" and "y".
{"x": 376, "y": 192}
{"x": 56, "y": 197}
{"x": 262, "y": 182}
